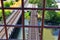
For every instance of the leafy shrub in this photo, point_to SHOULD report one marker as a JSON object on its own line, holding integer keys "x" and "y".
{"x": 17, "y": 0}
{"x": 58, "y": 17}
{"x": 6, "y": 4}
{"x": 11, "y": 2}
{"x": 7, "y": 13}
{"x": 53, "y": 17}
{"x": 0, "y": 15}
{"x": 33, "y": 1}
{"x": 27, "y": 15}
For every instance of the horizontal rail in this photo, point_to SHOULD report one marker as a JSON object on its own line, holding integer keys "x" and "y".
{"x": 33, "y": 8}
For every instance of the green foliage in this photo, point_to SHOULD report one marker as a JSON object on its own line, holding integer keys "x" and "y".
{"x": 0, "y": 15}
{"x": 7, "y": 12}
{"x": 57, "y": 17}
{"x": 40, "y": 3}
{"x": 33, "y": 1}
{"x": 50, "y": 16}
{"x": 47, "y": 16}
{"x": 27, "y": 15}
{"x": 11, "y": 2}
{"x": 40, "y": 12}
{"x": 17, "y": 0}
{"x": 50, "y": 2}
{"x": 6, "y": 4}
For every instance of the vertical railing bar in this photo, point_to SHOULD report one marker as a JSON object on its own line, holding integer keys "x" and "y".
{"x": 4, "y": 19}
{"x": 23, "y": 19}
{"x": 41, "y": 36}
{"x": 59, "y": 35}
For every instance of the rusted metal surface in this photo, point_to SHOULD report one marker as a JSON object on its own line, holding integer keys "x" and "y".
{"x": 23, "y": 20}
{"x": 4, "y": 19}
{"x": 59, "y": 35}
{"x": 41, "y": 36}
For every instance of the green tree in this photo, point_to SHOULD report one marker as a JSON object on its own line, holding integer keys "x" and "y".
{"x": 33, "y": 1}
{"x": 0, "y": 15}
{"x": 17, "y": 0}
{"x": 6, "y": 4}
{"x": 51, "y": 4}
{"x": 51, "y": 14}
{"x": 11, "y": 2}
{"x": 58, "y": 18}
{"x": 7, "y": 13}
{"x": 38, "y": 2}
{"x": 27, "y": 15}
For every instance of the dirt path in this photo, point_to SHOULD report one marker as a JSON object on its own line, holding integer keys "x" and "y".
{"x": 47, "y": 35}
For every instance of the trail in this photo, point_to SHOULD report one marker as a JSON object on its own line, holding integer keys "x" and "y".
{"x": 47, "y": 34}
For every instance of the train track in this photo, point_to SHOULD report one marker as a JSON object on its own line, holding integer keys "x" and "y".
{"x": 11, "y": 21}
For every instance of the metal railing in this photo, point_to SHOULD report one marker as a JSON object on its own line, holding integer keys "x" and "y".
{"x": 22, "y": 8}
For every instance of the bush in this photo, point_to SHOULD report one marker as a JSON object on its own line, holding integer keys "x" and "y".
{"x": 50, "y": 16}
{"x": 58, "y": 17}
{"x": 17, "y": 0}
{"x": 0, "y": 15}
{"x": 0, "y": 18}
{"x": 6, "y": 4}
{"x": 53, "y": 17}
{"x": 33, "y": 1}
{"x": 11, "y": 2}
{"x": 7, "y": 13}
{"x": 27, "y": 15}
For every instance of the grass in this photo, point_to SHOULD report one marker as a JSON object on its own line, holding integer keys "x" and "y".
{"x": 47, "y": 35}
